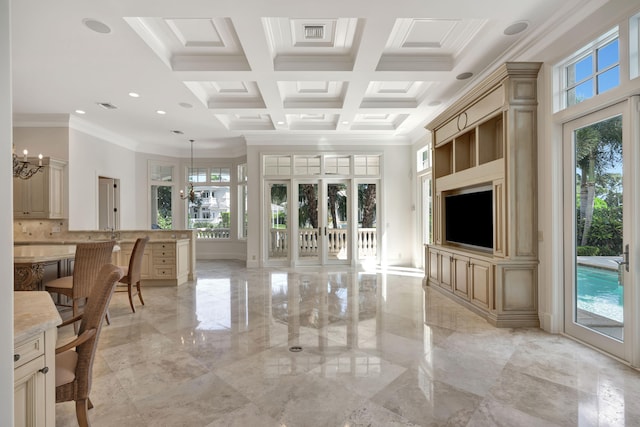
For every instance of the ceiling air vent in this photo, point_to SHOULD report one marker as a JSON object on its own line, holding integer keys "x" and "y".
{"x": 107, "y": 105}
{"x": 314, "y": 31}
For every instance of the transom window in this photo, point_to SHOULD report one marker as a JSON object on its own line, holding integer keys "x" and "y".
{"x": 590, "y": 71}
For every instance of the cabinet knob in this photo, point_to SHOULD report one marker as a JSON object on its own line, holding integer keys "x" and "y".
{"x": 16, "y": 357}
{"x": 44, "y": 370}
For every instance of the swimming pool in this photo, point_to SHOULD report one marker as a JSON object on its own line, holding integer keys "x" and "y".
{"x": 599, "y": 292}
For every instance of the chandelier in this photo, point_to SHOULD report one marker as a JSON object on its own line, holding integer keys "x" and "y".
{"x": 191, "y": 194}
{"x": 24, "y": 169}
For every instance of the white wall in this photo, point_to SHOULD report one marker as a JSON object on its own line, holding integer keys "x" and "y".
{"x": 6, "y": 222}
{"x": 49, "y": 141}
{"x": 90, "y": 157}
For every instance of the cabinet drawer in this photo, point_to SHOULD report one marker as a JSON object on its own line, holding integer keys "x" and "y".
{"x": 164, "y": 248}
{"x": 29, "y": 350}
{"x": 169, "y": 262}
{"x": 164, "y": 272}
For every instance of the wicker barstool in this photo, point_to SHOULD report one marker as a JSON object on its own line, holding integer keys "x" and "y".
{"x": 74, "y": 360}
{"x": 89, "y": 259}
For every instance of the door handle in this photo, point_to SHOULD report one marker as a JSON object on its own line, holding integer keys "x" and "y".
{"x": 625, "y": 260}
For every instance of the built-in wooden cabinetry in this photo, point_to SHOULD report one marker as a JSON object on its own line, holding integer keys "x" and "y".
{"x": 488, "y": 140}
{"x": 163, "y": 262}
{"x": 35, "y": 320}
{"x": 42, "y": 195}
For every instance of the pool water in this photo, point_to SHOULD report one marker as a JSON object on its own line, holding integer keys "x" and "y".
{"x": 599, "y": 292}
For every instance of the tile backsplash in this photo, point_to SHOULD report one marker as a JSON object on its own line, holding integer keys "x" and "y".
{"x": 39, "y": 229}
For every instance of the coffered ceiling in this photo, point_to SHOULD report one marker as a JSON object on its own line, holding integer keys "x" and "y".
{"x": 282, "y": 71}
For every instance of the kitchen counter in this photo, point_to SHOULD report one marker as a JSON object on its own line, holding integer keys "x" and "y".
{"x": 33, "y": 312}
{"x": 31, "y": 262}
{"x": 42, "y": 253}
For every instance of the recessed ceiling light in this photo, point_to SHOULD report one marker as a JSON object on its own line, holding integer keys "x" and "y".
{"x": 345, "y": 122}
{"x": 185, "y": 105}
{"x": 177, "y": 132}
{"x": 516, "y": 28}
{"x": 161, "y": 112}
{"x": 97, "y": 26}
{"x": 134, "y": 95}
{"x": 280, "y": 123}
{"x": 464, "y": 76}
{"x": 80, "y": 112}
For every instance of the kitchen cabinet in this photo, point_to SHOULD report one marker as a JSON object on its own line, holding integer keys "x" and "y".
{"x": 42, "y": 196}
{"x": 35, "y": 334}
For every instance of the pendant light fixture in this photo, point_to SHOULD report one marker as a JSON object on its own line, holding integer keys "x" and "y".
{"x": 190, "y": 195}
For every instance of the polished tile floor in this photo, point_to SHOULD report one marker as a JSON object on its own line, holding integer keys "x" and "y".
{"x": 376, "y": 350}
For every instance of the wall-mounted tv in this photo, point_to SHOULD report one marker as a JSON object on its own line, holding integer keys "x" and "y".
{"x": 469, "y": 218}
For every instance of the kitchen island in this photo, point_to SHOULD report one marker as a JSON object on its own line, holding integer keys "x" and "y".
{"x": 31, "y": 262}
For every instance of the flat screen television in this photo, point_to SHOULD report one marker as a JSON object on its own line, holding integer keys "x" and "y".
{"x": 469, "y": 219}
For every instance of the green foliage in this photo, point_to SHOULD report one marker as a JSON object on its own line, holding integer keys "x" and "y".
{"x": 587, "y": 251}
{"x": 226, "y": 220}
{"x": 164, "y": 222}
{"x": 202, "y": 224}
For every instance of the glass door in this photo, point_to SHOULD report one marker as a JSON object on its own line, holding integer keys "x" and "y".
{"x": 278, "y": 238}
{"x": 337, "y": 223}
{"x": 597, "y": 233}
{"x": 323, "y": 232}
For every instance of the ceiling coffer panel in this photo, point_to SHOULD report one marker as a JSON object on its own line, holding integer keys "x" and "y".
{"x": 427, "y": 44}
{"x": 193, "y": 44}
{"x": 395, "y": 94}
{"x": 312, "y": 94}
{"x": 313, "y": 44}
{"x": 227, "y": 94}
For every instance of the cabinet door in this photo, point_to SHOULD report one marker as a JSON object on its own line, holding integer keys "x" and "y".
{"x": 29, "y": 394}
{"x": 446, "y": 273}
{"x": 461, "y": 278}
{"x": 481, "y": 283}
{"x": 55, "y": 197}
{"x": 30, "y": 196}
{"x": 433, "y": 264}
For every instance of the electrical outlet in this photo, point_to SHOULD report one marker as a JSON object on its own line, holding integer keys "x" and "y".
{"x": 24, "y": 229}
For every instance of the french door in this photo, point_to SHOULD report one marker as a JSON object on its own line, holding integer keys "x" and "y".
{"x": 322, "y": 219}
{"x": 599, "y": 204}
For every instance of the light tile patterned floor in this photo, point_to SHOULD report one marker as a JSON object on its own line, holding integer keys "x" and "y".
{"x": 377, "y": 350}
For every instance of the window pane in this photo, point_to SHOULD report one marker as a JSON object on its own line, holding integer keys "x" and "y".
{"x": 307, "y": 165}
{"x": 242, "y": 212}
{"x": 580, "y": 70}
{"x": 161, "y": 214}
{"x": 161, "y": 173}
{"x": 242, "y": 172}
{"x": 198, "y": 175}
{"x": 609, "y": 79}
{"x": 608, "y": 55}
{"x": 220, "y": 175}
{"x": 210, "y": 213}
{"x": 580, "y": 92}
{"x": 337, "y": 165}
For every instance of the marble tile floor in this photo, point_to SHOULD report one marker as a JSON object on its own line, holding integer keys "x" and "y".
{"x": 377, "y": 350}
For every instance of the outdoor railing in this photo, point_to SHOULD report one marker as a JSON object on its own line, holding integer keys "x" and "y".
{"x": 308, "y": 239}
{"x": 213, "y": 233}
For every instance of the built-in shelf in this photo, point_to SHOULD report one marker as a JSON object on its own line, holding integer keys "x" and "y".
{"x": 488, "y": 139}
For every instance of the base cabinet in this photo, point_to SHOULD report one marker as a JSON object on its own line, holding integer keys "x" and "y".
{"x": 502, "y": 292}
{"x": 34, "y": 381}
{"x": 163, "y": 262}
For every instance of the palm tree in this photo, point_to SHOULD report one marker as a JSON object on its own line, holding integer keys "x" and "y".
{"x": 598, "y": 147}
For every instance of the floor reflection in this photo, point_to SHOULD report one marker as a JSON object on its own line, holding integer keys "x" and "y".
{"x": 377, "y": 349}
